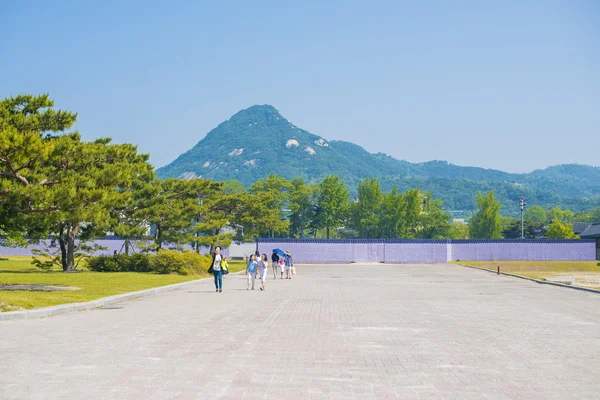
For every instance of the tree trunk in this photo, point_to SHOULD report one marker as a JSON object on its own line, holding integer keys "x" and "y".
{"x": 213, "y": 245}
{"x": 63, "y": 252}
{"x": 72, "y": 232}
{"x": 327, "y": 232}
{"x": 70, "y": 253}
{"x": 158, "y": 238}
{"x": 127, "y": 246}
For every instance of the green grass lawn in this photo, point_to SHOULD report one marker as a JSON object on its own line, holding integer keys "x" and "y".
{"x": 94, "y": 285}
{"x": 585, "y": 273}
{"x": 18, "y": 264}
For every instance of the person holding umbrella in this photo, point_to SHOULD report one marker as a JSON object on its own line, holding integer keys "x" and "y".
{"x": 275, "y": 260}
{"x": 281, "y": 254}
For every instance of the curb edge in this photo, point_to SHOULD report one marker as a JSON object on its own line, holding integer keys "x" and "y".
{"x": 531, "y": 279}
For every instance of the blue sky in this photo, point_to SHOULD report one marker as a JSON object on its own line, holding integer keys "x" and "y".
{"x": 507, "y": 85}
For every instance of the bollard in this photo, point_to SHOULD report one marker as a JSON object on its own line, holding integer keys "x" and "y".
{"x": 498, "y": 270}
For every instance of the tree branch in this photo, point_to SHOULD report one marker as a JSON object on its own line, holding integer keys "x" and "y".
{"x": 15, "y": 175}
{"x": 38, "y": 211}
{"x": 46, "y": 182}
{"x": 26, "y": 165}
{"x": 76, "y": 230}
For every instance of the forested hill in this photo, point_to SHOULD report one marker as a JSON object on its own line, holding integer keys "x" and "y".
{"x": 258, "y": 141}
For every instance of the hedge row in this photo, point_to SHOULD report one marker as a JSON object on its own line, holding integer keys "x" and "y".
{"x": 164, "y": 262}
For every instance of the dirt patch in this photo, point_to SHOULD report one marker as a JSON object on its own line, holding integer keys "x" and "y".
{"x": 588, "y": 280}
{"x": 5, "y": 307}
{"x": 578, "y": 278}
{"x": 38, "y": 288}
{"x": 593, "y": 283}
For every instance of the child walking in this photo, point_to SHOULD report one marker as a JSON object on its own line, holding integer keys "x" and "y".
{"x": 251, "y": 271}
{"x": 281, "y": 267}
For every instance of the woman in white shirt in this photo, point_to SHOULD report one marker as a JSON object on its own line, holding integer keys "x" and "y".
{"x": 263, "y": 266}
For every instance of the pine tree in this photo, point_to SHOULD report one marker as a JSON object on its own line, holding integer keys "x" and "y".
{"x": 332, "y": 204}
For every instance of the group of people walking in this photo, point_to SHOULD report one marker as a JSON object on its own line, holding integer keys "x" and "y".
{"x": 257, "y": 267}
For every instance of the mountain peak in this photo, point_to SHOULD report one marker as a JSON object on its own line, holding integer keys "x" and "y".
{"x": 261, "y": 107}
{"x": 258, "y": 111}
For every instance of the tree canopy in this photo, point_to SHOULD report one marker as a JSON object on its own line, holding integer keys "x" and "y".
{"x": 486, "y": 223}
{"x": 560, "y": 230}
{"x": 332, "y": 204}
{"x": 54, "y": 183}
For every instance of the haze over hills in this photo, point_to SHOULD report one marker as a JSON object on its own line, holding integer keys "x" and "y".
{"x": 258, "y": 141}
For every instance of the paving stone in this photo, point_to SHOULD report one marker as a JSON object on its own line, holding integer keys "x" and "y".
{"x": 332, "y": 332}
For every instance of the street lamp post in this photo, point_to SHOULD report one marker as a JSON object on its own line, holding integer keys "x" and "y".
{"x": 522, "y": 204}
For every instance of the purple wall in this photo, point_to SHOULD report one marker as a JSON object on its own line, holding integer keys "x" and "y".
{"x": 111, "y": 244}
{"x": 576, "y": 250}
{"x": 430, "y": 251}
{"x": 313, "y": 252}
{"x": 398, "y": 253}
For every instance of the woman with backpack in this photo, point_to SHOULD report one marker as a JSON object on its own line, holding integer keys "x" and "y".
{"x": 251, "y": 271}
{"x": 275, "y": 263}
{"x": 263, "y": 266}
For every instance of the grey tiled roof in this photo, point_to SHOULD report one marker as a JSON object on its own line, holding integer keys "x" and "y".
{"x": 592, "y": 231}
{"x": 579, "y": 227}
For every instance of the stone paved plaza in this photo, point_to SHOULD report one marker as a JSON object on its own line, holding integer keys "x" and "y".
{"x": 332, "y": 332}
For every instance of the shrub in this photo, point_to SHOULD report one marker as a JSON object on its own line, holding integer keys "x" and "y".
{"x": 164, "y": 262}
{"x": 183, "y": 263}
{"x": 120, "y": 263}
{"x": 169, "y": 261}
{"x": 139, "y": 262}
{"x": 204, "y": 261}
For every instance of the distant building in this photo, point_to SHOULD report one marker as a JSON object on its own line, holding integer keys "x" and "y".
{"x": 592, "y": 232}
{"x": 579, "y": 227}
